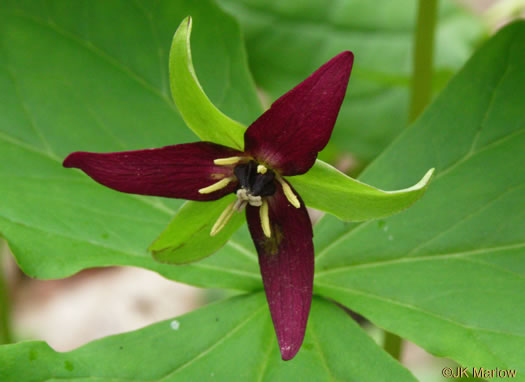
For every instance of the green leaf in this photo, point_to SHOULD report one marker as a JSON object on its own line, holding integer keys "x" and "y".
{"x": 93, "y": 76}
{"x": 287, "y": 41}
{"x": 209, "y": 123}
{"x": 328, "y": 189}
{"x": 448, "y": 274}
{"x": 187, "y": 237}
{"x": 228, "y": 341}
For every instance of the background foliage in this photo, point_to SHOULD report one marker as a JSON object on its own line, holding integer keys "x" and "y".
{"x": 286, "y": 41}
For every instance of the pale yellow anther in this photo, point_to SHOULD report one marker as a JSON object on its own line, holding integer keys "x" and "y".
{"x": 223, "y": 219}
{"x": 216, "y": 186}
{"x": 261, "y": 169}
{"x": 227, "y": 161}
{"x": 265, "y": 219}
{"x": 292, "y": 198}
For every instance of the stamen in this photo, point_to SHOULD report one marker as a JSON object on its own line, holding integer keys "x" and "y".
{"x": 216, "y": 186}
{"x": 261, "y": 169}
{"x": 292, "y": 198}
{"x": 239, "y": 205}
{"x": 265, "y": 219}
{"x": 223, "y": 219}
{"x": 227, "y": 161}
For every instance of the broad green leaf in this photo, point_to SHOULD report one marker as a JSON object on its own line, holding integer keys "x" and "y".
{"x": 328, "y": 189}
{"x": 187, "y": 237}
{"x": 228, "y": 341}
{"x": 449, "y": 273}
{"x": 288, "y": 40}
{"x": 209, "y": 123}
{"x": 93, "y": 76}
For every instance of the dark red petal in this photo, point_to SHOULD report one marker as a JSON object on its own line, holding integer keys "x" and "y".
{"x": 298, "y": 125}
{"x": 286, "y": 260}
{"x": 173, "y": 171}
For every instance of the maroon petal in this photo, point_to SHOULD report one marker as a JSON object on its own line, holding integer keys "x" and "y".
{"x": 173, "y": 171}
{"x": 298, "y": 125}
{"x": 286, "y": 260}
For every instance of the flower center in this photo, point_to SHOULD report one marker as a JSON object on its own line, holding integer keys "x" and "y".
{"x": 255, "y": 182}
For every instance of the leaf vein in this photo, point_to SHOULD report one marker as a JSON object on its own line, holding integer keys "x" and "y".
{"x": 423, "y": 311}
{"x": 230, "y": 333}
{"x": 440, "y": 256}
{"x": 89, "y": 46}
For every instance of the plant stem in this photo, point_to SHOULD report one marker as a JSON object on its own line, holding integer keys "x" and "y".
{"x": 423, "y": 55}
{"x": 393, "y": 345}
{"x": 5, "y": 329}
{"x": 421, "y": 94}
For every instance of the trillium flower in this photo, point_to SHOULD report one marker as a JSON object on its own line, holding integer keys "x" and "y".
{"x": 282, "y": 142}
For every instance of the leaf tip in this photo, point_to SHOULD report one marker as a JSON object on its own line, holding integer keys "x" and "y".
{"x": 151, "y": 248}
{"x": 424, "y": 182}
{"x": 426, "y": 178}
{"x": 156, "y": 254}
{"x": 189, "y": 21}
{"x": 182, "y": 33}
{"x": 186, "y": 23}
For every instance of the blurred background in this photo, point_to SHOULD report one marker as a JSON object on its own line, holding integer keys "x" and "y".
{"x": 99, "y": 302}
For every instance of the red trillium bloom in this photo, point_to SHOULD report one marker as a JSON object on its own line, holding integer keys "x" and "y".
{"x": 282, "y": 142}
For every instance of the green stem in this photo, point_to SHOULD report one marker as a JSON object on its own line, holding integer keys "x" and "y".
{"x": 423, "y": 56}
{"x": 423, "y": 59}
{"x": 393, "y": 345}
{"x": 5, "y": 330}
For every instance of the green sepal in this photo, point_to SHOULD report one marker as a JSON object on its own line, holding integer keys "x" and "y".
{"x": 187, "y": 238}
{"x": 327, "y": 189}
{"x": 199, "y": 113}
